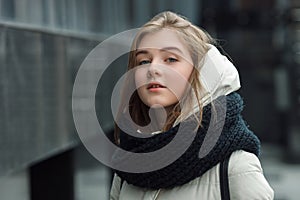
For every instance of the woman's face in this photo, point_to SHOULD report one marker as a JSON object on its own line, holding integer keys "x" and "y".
{"x": 165, "y": 66}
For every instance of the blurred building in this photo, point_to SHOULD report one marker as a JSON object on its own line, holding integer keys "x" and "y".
{"x": 262, "y": 38}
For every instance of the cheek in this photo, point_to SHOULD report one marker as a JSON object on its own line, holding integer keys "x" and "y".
{"x": 187, "y": 70}
{"x": 140, "y": 77}
{"x": 177, "y": 85}
{"x": 178, "y": 82}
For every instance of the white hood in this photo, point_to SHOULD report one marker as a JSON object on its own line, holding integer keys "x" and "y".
{"x": 218, "y": 76}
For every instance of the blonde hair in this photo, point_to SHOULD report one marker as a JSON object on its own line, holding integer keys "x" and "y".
{"x": 195, "y": 39}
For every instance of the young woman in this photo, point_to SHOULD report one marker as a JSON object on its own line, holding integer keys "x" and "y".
{"x": 181, "y": 76}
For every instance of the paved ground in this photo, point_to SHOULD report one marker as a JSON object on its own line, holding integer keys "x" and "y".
{"x": 92, "y": 178}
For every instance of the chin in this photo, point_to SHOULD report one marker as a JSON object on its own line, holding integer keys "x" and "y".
{"x": 156, "y": 105}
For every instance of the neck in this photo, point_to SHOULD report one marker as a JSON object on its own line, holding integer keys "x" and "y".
{"x": 158, "y": 116}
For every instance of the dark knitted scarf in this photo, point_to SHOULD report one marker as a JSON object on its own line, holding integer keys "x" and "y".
{"x": 234, "y": 136}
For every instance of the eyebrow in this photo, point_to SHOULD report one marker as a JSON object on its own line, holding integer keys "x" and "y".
{"x": 143, "y": 51}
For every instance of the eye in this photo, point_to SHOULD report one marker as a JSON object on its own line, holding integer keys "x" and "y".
{"x": 144, "y": 62}
{"x": 171, "y": 60}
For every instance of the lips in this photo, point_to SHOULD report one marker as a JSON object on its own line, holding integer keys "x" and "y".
{"x": 155, "y": 85}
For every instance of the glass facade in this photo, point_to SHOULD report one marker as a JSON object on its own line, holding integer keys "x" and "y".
{"x": 36, "y": 76}
{"x": 42, "y": 45}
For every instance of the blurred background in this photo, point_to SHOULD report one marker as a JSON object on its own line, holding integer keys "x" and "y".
{"x": 44, "y": 42}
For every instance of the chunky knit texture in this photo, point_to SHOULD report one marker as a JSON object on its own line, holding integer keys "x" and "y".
{"x": 235, "y": 135}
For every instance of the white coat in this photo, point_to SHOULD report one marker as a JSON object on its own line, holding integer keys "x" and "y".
{"x": 246, "y": 182}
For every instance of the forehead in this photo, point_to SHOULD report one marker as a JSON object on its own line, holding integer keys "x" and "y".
{"x": 162, "y": 39}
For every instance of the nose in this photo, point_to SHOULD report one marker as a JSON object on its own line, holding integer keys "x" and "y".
{"x": 154, "y": 69}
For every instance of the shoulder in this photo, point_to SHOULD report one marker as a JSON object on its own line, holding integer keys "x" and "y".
{"x": 243, "y": 162}
{"x": 246, "y": 179}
